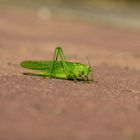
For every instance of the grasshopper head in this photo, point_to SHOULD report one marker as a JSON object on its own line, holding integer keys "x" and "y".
{"x": 87, "y": 74}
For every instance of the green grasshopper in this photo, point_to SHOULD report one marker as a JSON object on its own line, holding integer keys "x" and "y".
{"x": 59, "y": 68}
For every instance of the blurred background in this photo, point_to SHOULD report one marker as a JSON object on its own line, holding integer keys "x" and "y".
{"x": 117, "y": 12}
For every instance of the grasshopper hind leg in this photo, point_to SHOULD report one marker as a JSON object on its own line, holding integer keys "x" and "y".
{"x": 55, "y": 58}
{"x": 59, "y": 53}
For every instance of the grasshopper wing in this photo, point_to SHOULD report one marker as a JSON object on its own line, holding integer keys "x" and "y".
{"x": 37, "y": 65}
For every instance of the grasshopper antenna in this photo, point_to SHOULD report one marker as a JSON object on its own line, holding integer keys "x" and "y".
{"x": 121, "y": 51}
{"x": 88, "y": 61}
